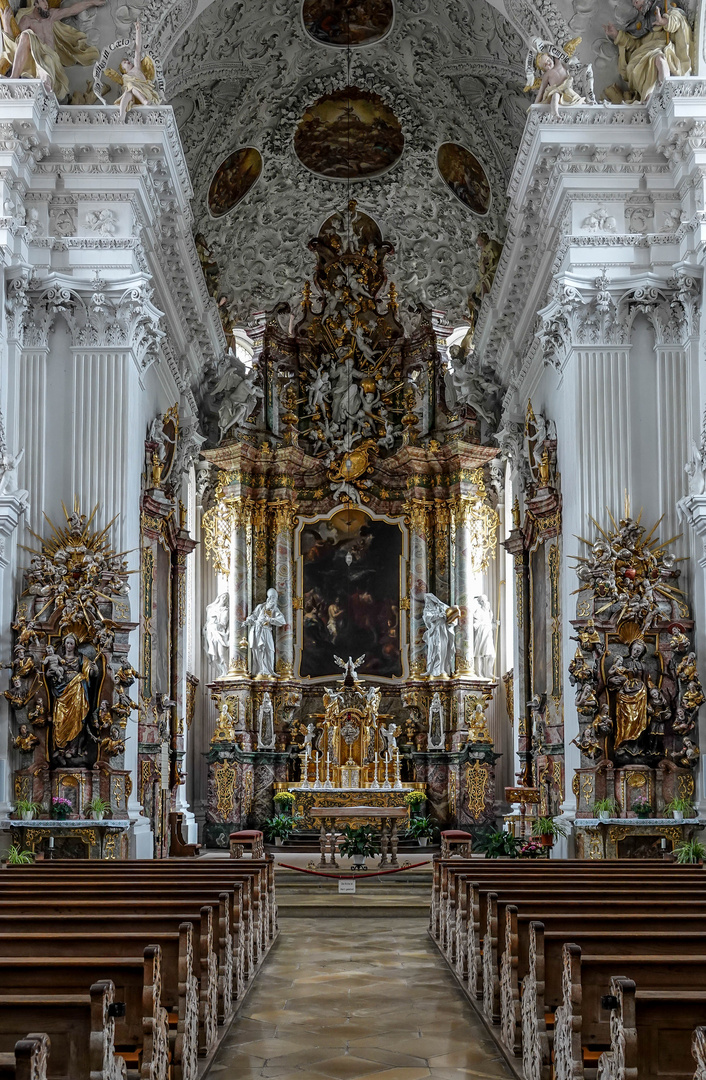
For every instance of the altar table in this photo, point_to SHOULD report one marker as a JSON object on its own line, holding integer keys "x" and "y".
{"x": 329, "y": 815}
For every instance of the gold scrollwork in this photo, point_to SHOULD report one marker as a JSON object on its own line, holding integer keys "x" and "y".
{"x": 476, "y": 786}
{"x": 587, "y": 789}
{"x": 686, "y": 787}
{"x": 575, "y": 785}
{"x": 555, "y": 613}
{"x": 226, "y": 776}
{"x": 109, "y": 846}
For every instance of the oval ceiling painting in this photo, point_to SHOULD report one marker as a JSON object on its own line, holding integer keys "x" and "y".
{"x": 347, "y": 22}
{"x": 465, "y": 175}
{"x": 348, "y": 135}
{"x": 233, "y": 179}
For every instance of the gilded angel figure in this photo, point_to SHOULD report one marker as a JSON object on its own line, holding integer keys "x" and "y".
{"x": 136, "y": 78}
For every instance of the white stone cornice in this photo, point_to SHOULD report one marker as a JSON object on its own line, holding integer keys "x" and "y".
{"x": 693, "y": 509}
{"x": 12, "y": 506}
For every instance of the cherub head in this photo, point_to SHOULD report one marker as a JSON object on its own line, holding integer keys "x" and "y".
{"x": 545, "y": 62}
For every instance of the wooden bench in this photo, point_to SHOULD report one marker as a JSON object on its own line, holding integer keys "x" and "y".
{"x": 178, "y": 846}
{"x": 29, "y": 1059}
{"x": 251, "y": 838}
{"x": 582, "y": 1026}
{"x": 142, "y": 1032}
{"x": 456, "y": 840}
{"x": 180, "y": 992}
{"x": 651, "y": 1032}
{"x": 80, "y": 1026}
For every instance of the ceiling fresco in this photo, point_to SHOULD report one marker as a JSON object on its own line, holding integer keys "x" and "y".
{"x": 465, "y": 176}
{"x": 348, "y": 135}
{"x": 233, "y": 179}
{"x": 347, "y": 22}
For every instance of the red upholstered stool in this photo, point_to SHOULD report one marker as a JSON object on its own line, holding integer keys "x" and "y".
{"x": 251, "y": 838}
{"x": 455, "y": 840}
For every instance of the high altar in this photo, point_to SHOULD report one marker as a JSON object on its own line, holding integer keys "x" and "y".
{"x": 347, "y": 543}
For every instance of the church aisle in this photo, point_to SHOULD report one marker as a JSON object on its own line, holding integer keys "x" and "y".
{"x": 347, "y": 998}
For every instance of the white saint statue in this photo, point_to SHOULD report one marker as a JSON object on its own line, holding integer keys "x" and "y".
{"x": 439, "y": 637}
{"x": 483, "y": 637}
{"x": 260, "y": 634}
{"x": 215, "y": 632}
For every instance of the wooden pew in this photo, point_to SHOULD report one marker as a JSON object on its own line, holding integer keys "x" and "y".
{"x": 651, "y": 1032}
{"x": 81, "y": 1028}
{"x": 49, "y": 915}
{"x": 180, "y": 992}
{"x": 582, "y": 1027}
{"x": 29, "y": 1059}
{"x": 143, "y": 1033}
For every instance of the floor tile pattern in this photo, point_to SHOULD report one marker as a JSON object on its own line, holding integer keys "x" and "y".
{"x": 339, "y": 999}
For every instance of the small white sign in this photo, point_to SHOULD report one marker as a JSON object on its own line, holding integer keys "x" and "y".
{"x": 346, "y": 885}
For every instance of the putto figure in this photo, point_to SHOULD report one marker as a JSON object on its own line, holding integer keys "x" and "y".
{"x": 136, "y": 78}
{"x": 37, "y": 44}
{"x": 261, "y": 637}
{"x": 655, "y": 44}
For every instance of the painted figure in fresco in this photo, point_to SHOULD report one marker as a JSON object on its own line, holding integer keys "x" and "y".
{"x": 439, "y": 636}
{"x": 483, "y": 637}
{"x": 260, "y": 634}
{"x": 654, "y": 45}
{"x": 215, "y": 632}
{"x": 37, "y": 44}
{"x": 69, "y": 680}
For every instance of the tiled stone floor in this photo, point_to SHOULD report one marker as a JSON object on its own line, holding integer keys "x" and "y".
{"x": 347, "y": 998}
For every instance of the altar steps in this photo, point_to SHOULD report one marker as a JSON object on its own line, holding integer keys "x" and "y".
{"x": 397, "y": 896}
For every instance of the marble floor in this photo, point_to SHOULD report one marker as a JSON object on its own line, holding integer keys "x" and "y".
{"x": 347, "y": 998}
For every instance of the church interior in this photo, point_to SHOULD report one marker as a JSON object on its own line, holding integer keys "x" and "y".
{"x": 352, "y": 539}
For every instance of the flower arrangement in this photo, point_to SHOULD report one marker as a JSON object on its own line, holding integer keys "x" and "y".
{"x": 284, "y": 800}
{"x": 61, "y": 808}
{"x": 414, "y": 798}
{"x": 532, "y": 849}
{"x": 642, "y": 806}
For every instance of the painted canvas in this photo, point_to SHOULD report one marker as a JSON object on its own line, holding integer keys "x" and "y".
{"x": 465, "y": 175}
{"x": 347, "y": 22}
{"x": 351, "y": 594}
{"x": 233, "y": 179}
{"x": 349, "y": 134}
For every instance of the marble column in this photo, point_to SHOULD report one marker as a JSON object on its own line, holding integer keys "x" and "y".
{"x": 464, "y": 590}
{"x": 283, "y": 517}
{"x": 418, "y": 582}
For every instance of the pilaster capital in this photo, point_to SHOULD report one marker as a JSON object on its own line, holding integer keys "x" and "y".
{"x": 692, "y": 508}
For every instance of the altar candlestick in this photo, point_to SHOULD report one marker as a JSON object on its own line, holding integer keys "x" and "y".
{"x": 375, "y": 785}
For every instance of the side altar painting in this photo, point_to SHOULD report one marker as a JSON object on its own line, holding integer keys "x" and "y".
{"x": 638, "y": 693}
{"x": 70, "y": 689}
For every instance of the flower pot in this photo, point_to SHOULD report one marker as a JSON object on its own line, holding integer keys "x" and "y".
{"x": 27, "y": 815}
{"x": 60, "y": 815}
{"x": 357, "y": 864}
{"x": 644, "y": 813}
{"x": 678, "y": 815}
{"x": 279, "y": 841}
{"x": 604, "y": 815}
{"x": 423, "y": 841}
{"x": 98, "y": 815}
{"x": 547, "y": 839}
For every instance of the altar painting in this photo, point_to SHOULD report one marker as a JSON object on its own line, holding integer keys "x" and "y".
{"x": 351, "y": 572}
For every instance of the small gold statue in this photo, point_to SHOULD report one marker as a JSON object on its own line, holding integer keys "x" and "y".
{"x": 25, "y": 741}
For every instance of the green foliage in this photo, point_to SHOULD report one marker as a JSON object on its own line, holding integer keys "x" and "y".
{"x": 606, "y": 805}
{"x": 689, "y": 851}
{"x": 495, "y": 845}
{"x": 547, "y": 826}
{"x": 683, "y": 805}
{"x": 421, "y": 826}
{"x": 26, "y": 806}
{"x": 285, "y": 798}
{"x": 413, "y": 798}
{"x": 17, "y": 857}
{"x": 360, "y": 841}
{"x": 279, "y": 825}
{"x": 97, "y": 805}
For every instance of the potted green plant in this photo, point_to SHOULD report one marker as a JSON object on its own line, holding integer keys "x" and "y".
{"x": 689, "y": 851}
{"x": 679, "y": 807}
{"x": 278, "y": 828}
{"x": 358, "y": 843}
{"x": 97, "y": 807}
{"x": 17, "y": 857}
{"x": 605, "y": 809}
{"x": 642, "y": 806}
{"x": 60, "y": 808}
{"x": 284, "y": 802}
{"x": 421, "y": 829}
{"x": 547, "y": 829}
{"x": 26, "y": 809}
{"x": 495, "y": 845}
{"x": 413, "y": 801}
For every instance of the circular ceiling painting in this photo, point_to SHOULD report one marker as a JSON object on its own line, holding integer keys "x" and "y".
{"x": 465, "y": 175}
{"x": 349, "y": 134}
{"x": 347, "y": 22}
{"x": 233, "y": 179}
